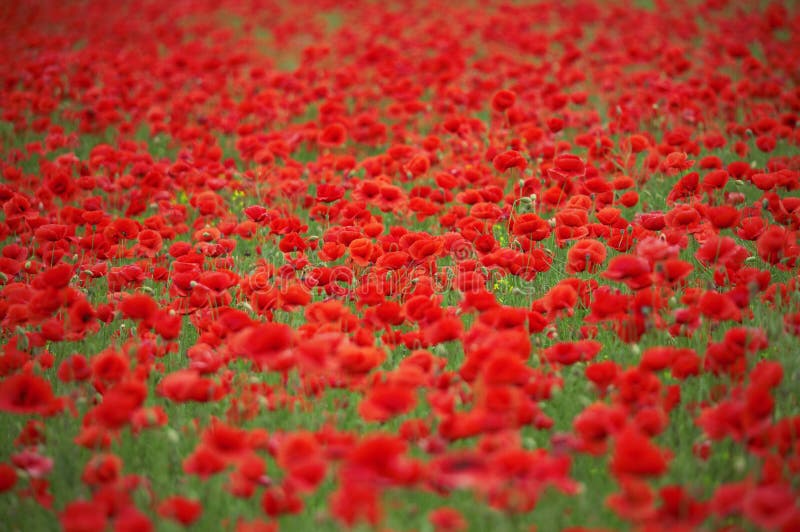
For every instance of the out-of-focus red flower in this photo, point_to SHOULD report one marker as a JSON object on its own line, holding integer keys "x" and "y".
{"x": 84, "y": 516}
{"x": 8, "y": 477}
{"x": 333, "y": 136}
{"x": 25, "y": 393}
{"x": 183, "y": 510}
{"x": 446, "y": 519}
{"x": 635, "y": 454}
{"x": 503, "y": 99}
{"x": 633, "y": 271}
{"x": 387, "y": 400}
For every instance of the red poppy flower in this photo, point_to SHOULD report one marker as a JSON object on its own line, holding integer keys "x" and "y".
{"x": 596, "y": 424}
{"x": 227, "y": 441}
{"x": 682, "y": 216}
{"x": 567, "y": 353}
{"x": 764, "y": 181}
{"x": 203, "y": 462}
{"x": 442, "y": 330}
{"x": 686, "y": 187}
{"x": 585, "y": 255}
{"x": 425, "y": 248}
{"x": 24, "y": 393}
{"x": 265, "y": 343}
{"x": 384, "y": 401}
{"x": 567, "y": 166}
{"x": 167, "y": 324}
{"x": 635, "y": 501}
{"x": 632, "y": 270}
{"x": 723, "y": 216}
{"x": 771, "y": 506}
{"x": 140, "y": 307}
{"x": 634, "y": 454}
{"x": 503, "y": 99}
{"x": 485, "y": 211}
{"x": 119, "y": 403}
{"x": 333, "y": 136}
{"x": 32, "y": 463}
{"x": 673, "y": 272}
{"x": 602, "y": 374}
{"x": 677, "y": 162}
{"x": 188, "y": 385}
{"x": 722, "y": 252}
{"x": 530, "y": 225}
{"x": 652, "y": 221}
{"x": 102, "y": 469}
{"x": 446, "y": 519}
{"x": 361, "y": 251}
{"x": 418, "y": 165}
{"x": 84, "y": 516}
{"x": 300, "y": 454}
{"x": 509, "y": 159}
{"x": 773, "y": 244}
{"x": 379, "y": 459}
{"x": 183, "y": 510}
{"x": 306, "y": 223}
{"x": 354, "y": 501}
{"x": 719, "y": 307}
{"x": 329, "y": 193}
{"x": 8, "y": 477}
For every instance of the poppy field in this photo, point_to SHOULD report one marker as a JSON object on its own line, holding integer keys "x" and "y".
{"x": 430, "y": 266}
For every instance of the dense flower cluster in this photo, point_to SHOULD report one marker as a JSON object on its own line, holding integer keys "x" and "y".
{"x": 411, "y": 264}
